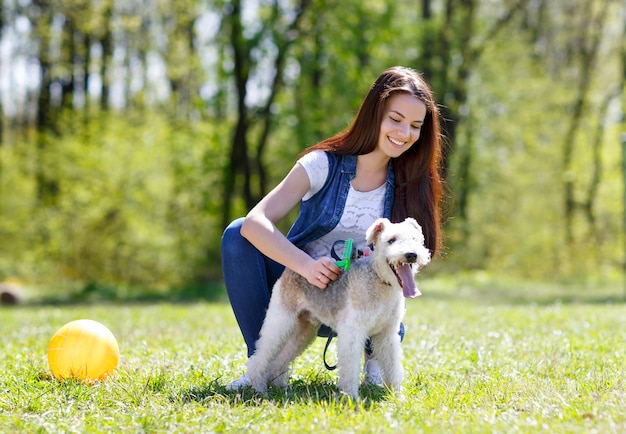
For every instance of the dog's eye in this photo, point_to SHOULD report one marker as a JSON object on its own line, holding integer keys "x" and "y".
{"x": 391, "y": 240}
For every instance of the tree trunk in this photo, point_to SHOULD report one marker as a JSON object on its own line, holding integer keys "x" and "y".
{"x": 238, "y": 159}
{"x": 182, "y": 64}
{"x": 588, "y": 204}
{"x": 240, "y": 165}
{"x": 266, "y": 113}
{"x": 47, "y": 185}
{"x": 69, "y": 57}
{"x": 588, "y": 50}
{"x": 106, "y": 42}
{"x": 449, "y": 82}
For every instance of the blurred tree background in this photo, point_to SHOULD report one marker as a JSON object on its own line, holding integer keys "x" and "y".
{"x": 132, "y": 131}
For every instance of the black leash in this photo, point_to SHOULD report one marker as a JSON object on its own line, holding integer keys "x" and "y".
{"x": 356, "y": 253}
{"x": 330, "y": 338}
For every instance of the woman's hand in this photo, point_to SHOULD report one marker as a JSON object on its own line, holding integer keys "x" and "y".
{"x": 322, "y": 272}
{"x": 260, "y": 229}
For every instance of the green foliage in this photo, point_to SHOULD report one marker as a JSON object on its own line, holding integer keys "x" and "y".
{"x": 512, "y": 135}
{"x": 475, "y": 360}
{"x": 134, "y": 197}
{"x": 136, "y": 206}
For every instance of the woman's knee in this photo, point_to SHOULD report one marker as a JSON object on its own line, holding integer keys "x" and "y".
{"x": 231, "y": 238}
{"x": 233, "y": 229}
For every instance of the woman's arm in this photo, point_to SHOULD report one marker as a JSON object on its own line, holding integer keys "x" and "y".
{"x": 260, "y": 229}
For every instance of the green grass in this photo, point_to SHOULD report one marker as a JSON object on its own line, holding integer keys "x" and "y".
{"x": 476, "y": 359}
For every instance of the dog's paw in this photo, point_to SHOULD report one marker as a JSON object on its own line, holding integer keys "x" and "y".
{"x": 258, "y": 384}
{"x": 350, "y": 392}
{"x": 281, "y": 381}
{"x": 348, "y": 398}
{"x": 260, "y": 388}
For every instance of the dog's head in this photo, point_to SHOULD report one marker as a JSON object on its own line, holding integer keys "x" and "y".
{"x": 400, "y": 246}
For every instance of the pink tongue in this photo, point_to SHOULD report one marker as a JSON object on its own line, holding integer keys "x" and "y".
{"x": 408, "y": 283}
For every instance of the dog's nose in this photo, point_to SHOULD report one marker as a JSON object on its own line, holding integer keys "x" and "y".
{"x": 410, "y": 257}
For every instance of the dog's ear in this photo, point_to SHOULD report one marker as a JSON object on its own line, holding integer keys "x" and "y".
{"x": 414, "y": 222}
{"x": 376, "y": 229}
{"x": 424, "y": 256}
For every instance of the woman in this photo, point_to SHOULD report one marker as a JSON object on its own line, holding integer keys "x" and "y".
{"x": 386, "y": 164}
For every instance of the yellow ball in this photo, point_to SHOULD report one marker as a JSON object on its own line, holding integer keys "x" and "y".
{"x": 83, "y": 349}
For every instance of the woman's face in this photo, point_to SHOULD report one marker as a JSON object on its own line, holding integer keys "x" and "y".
{"x": 401, "y": 124}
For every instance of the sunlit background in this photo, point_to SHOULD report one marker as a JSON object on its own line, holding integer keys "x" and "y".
{"x": 133, "y": 131}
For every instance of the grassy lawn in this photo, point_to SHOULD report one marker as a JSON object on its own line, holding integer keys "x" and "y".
{"x": 477, "y": 359}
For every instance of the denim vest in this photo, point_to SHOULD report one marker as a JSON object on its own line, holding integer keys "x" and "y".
{"x": 322, "y": 212}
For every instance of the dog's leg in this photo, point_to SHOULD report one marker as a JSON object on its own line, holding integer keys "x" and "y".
{"x": 278, "y": 327}
{"x": 350, "y": 344}
{"x": 388, "y": 353}
{"x": 303, "y": 336}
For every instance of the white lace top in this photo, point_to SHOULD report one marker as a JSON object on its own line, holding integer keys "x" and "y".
{"x": 361, "y": 210}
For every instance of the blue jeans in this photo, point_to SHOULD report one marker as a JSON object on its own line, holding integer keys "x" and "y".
{"x": 249, "y": 276}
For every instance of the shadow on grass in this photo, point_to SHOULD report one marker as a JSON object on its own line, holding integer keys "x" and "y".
{"x": 297, "y": 392}
{"x": 528, "y": 296}
{"x": 478, "y": 288}
{"x": 485, "y": 288}
{"x": 108, "y": 294}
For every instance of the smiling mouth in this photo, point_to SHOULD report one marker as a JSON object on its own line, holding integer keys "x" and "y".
{"x": 396, "y": 142}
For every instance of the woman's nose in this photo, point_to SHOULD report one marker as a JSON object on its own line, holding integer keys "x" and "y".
{"x": 404, "y": 130}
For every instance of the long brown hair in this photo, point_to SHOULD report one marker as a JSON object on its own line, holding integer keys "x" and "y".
{"x": 419, "y": 187}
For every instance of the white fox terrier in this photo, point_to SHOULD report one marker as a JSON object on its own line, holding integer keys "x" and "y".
{"x": 367, "y": 301}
